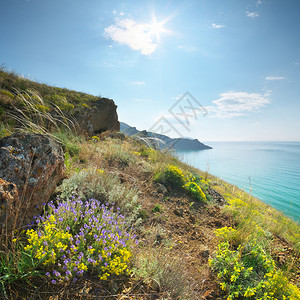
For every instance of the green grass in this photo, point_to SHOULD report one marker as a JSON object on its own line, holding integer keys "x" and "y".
{"x": 67, "y": 100}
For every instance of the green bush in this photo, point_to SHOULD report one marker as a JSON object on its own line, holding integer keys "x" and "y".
{"x": 107, "y": 188}
{"x": 195, "y": 191}
{"x": 171, "y": 176}
{"x": 249, "y": 272}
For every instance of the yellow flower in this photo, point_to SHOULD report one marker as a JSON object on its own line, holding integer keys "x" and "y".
{"x": 249, "y": 292}
{"x": 223, "y": 286}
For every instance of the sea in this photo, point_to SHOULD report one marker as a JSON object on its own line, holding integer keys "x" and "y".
{"x": 270, "y": 170}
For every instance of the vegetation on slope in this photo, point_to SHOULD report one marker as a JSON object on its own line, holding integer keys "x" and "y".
{"x": 175, "y": 239}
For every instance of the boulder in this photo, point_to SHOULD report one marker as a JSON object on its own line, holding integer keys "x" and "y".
{"x": 8, "y": 199}
{"x": 31, "y": 166}
{"x": 98, "y": 117}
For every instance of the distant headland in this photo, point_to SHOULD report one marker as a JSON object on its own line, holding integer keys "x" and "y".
{"x": 162, "y": 141}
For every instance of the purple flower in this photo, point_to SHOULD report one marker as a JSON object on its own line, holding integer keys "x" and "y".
{"x": 53, "y": 281}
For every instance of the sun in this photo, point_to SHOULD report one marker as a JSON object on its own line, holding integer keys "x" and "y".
{"x": 156, "y": 28}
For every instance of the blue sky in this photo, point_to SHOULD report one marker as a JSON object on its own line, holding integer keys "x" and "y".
{"x": 239, "y": 60}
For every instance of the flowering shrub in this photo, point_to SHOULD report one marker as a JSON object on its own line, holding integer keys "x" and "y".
{"x": 195, "y": 191}
{"x": 80, "y": 236}
{"x": 225, "y": 233}
{"x": 177, "y": 179}
{"x": 171, "y": 176}
{"x": 147, "y": 152}
{"x": 249, "y": 272}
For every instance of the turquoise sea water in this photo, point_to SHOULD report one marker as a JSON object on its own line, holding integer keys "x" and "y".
{"x": 272, "y": 169}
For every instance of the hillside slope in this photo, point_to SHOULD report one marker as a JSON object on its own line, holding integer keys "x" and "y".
{"x": 132, "y": 222}
{"x": 92, "y": 114}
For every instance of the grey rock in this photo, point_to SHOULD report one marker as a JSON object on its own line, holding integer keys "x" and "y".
{"x": 31, "y": 165}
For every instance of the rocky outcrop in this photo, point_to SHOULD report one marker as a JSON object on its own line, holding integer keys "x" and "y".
{"x": 31, "y": 166}
{"x": 98, "y": 117}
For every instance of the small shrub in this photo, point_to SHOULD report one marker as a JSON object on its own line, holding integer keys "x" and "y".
{"x": 73, "y": 238}
{"x": 94, "y": 183}
{"x": 115, "y": 154}
{"x": 158, "y": 268}
{"x": 185, "y": 181}
{"x": 249, "y": 272}
{"x": 147, "y": 152}
{"x": 195, "y": 191}
{"x": 77, "y": 237}
{"x": 225, "y": 233}
{"x": 171, "y": 176}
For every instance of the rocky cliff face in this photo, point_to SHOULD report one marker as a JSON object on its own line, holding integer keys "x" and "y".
{"x": 100, "y": 116}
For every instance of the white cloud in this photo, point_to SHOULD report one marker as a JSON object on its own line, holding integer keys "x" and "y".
{"x": 259, "y": 2}
{"x": 138, "y": 36}
{"x": 275, "y": 78}
{"x": 138, "y": 83}
{"x": 252, "y": 14}
{"x": 217, "y": 26}
{"x": 233, "y": 104}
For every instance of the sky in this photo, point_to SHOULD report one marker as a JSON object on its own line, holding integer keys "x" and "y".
{"x": 215, "y": 70}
